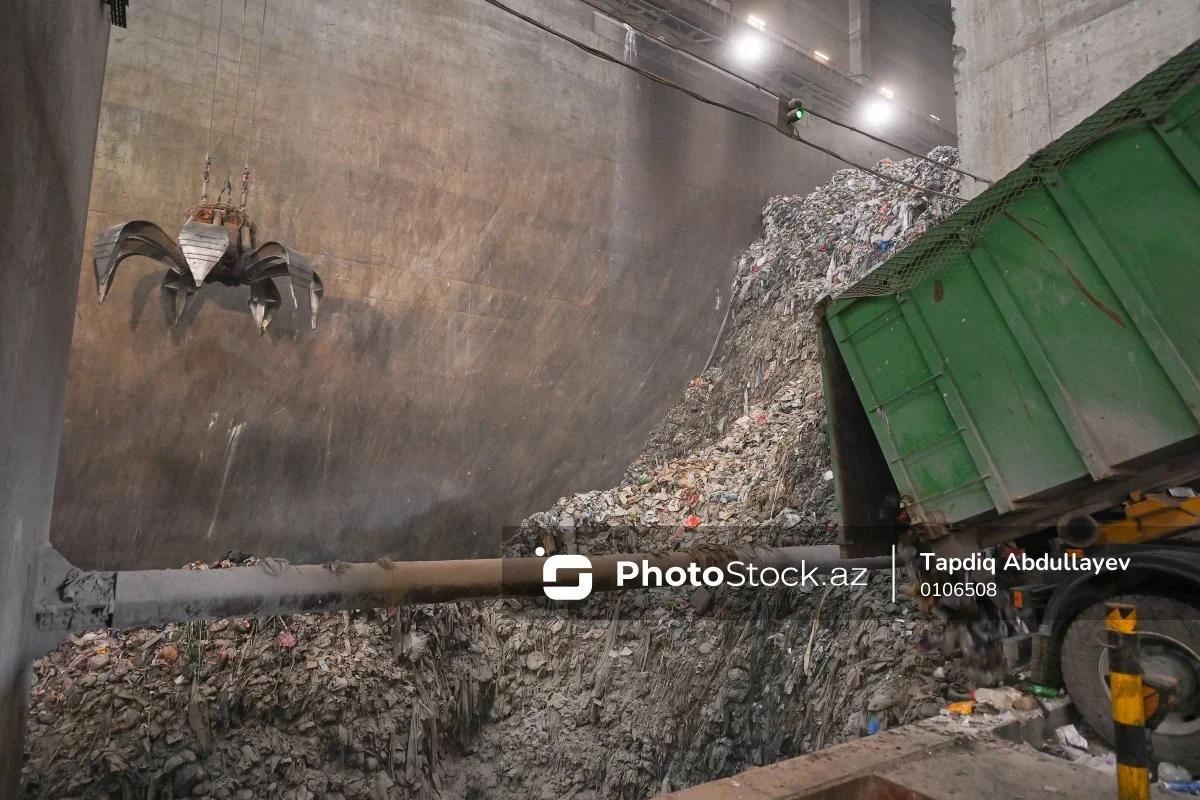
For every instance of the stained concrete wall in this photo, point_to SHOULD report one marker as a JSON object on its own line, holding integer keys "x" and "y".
{"x": 51, "y": 67}
{"x": 526, "y": 251}
{"x": 816, "y": 24}
{"x": 1029, "y": 71}
{"x": 912, "y": 53}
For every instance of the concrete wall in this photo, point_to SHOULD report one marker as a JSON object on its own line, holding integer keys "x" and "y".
{"x": 1030, "y": 70}
{"x": 816, "y": 24}
{"x": 526, "y": 250}
{"x": 51, "y": 67}
{"x": 912, "y": 53}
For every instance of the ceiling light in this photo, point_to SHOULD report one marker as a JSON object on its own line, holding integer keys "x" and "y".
{"x": 886, "y": 92}
{"x": 748, "y": 46}
{"x": 820, "y": 55}
{"x": 931, "y": 116}
{"x": 755, "y": 22}
{"x": 878, "y": 112}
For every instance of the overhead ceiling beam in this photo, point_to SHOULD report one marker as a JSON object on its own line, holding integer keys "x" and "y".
{"x": 703, "y": 29}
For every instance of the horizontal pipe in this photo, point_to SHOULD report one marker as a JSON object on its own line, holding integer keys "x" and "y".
{"x": 155, "y": 597}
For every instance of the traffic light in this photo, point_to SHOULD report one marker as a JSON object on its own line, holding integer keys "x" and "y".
{"x": 790, "y": 112}
{"x": 795, "y": 111}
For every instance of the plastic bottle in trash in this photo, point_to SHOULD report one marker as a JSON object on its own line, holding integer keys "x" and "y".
{"x": 1173, "y": 773}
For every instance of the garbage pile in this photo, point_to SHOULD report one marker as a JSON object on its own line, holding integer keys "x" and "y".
{"x": 850, "y": 225}
{"x": 626, "y": 695}
{"x": 342, "y": 705}
{"x": 729, "y": 492}
{"x": 812, "y": 245}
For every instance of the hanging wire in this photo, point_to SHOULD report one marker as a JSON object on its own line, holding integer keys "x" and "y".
{"x": 216, "y": 69}
{"x": 708, "y": 101}
{"x": 262, "y": 35}
{"x": 881, "y": 140}
{"x": 237, "y": 84}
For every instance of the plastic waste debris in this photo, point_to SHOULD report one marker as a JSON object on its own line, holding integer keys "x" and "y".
{"x": 1173, "y": 773}
{"x": 1069, "y": 736}
{"x": 1001, "y": 699}
{"x": 964, "y": 707}
{"x": 1190, "y": 787}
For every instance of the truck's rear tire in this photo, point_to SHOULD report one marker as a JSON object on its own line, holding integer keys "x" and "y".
{"x": 1170, "y": 643}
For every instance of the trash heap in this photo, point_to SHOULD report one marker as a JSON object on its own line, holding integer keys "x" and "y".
{"x": 350, "y": 705}
{"x": 729, "y": 492}
{"x": 812, "y": 245}
{"x": 847, "y": 227}
{"x": 625, "y": 695}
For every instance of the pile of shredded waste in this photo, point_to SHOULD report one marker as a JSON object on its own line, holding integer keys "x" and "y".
{"x": 623, "y": 696}
{"x": 812, "y": 245}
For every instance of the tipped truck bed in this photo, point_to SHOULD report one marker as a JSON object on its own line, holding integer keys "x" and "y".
{"x": 1038, "y": 352}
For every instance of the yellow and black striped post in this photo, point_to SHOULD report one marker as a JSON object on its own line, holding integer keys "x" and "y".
{"x": 1128, "y": 703}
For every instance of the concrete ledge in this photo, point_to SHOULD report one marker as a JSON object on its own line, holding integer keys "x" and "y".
{"x": 937, "y": 759}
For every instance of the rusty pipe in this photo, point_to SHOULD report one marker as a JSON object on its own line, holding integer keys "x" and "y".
{"x": 155, "y": 597}
{"x": 1078, "y": 530}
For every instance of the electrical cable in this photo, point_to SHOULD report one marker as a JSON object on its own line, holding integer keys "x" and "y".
{"x": 807, "y": 110}
{"x": 216, "y": 70}
{"x": 262, "y": 35}
{"x": 708, "y": 101}
{"x": 237, "y": 86}
{"x": 912, "y": 153}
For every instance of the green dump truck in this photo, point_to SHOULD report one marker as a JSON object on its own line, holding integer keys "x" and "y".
{"x": 1028, "y": 372}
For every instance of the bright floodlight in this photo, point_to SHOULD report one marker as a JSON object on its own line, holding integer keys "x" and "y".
{"x": 748, "y": 47}
{"x": 878, "y": 113}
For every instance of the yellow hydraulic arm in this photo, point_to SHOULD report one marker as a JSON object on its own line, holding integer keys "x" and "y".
{"x": 1152, "y": 516}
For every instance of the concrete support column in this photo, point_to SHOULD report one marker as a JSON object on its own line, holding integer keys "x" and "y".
{"x": 860, "y": 41}
{"x": 51, "y": 71}
{"x": 1026, "y": 73}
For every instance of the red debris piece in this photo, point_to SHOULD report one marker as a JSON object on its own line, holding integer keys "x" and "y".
{"x": 691, "y": 522}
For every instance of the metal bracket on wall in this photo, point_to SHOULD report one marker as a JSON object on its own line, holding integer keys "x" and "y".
{"x": 117, "y": 12}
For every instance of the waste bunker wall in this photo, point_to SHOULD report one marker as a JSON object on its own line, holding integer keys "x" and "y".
{"x": 52, "y": 60}
{"x": 1026, "y": 73}
{"x": 526, "y": 252}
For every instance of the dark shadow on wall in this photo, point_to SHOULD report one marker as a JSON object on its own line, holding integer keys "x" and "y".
{"x": 372, "y": 332}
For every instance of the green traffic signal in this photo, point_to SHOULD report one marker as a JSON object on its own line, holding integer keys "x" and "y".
{"x": 796, "y": 112}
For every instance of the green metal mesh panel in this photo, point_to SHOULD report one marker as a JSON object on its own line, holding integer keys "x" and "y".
{"x": 945, "y": 246}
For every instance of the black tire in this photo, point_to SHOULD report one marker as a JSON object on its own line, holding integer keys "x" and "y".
{"x": 1081, "y": 651}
